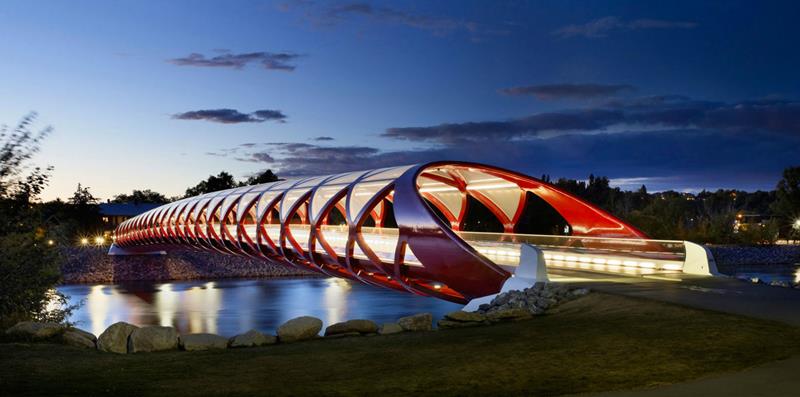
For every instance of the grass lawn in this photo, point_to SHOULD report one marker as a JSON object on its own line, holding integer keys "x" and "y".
{"x": 596, "y": 343}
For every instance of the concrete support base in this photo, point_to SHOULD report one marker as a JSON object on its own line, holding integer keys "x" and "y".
{"x": 699, "y": 260}
{"x": 531, "y": 270}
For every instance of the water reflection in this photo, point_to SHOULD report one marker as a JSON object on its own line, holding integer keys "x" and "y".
{"x": 228, "y": 307}
{"x": 768, "y": 274}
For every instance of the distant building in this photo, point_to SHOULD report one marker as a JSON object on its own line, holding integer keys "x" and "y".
{"x": 112, "y": 214}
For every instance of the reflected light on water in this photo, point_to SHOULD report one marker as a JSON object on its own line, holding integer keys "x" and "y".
{"x": 229, "y": 307}
{"x": 98, "y": 304}
{"x": 335, "y": 297}
{"x": 166, "y": 305}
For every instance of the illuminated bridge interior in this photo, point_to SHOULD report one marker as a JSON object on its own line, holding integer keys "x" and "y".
{"x": 450, "y": 230}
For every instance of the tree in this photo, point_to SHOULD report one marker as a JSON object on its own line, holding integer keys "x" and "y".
{"x": 263, "y": 177}
{"x": 787, "y": 201}
{"x": 82, "y": 196}
{"x": 141, "y": 196}
{"x": 83, "y": 213}
{"x": 29, "y": 266}
{"x": 214, "y": 183}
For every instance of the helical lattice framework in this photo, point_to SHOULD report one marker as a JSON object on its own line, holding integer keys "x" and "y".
{"x": 400, "y": 228}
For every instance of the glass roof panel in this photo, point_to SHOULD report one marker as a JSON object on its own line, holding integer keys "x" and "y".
{"x": 328, "y": 190}
{"x": 504, "y": 194}
{"x": 274, "y": 191}
{"x": 366, "y": 189}
{"x": 293, "y": 194}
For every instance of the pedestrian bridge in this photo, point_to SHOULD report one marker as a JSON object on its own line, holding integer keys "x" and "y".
{"x": 452, "y": 230}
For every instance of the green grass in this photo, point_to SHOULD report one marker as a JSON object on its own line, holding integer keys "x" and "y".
{"x": 596, "y": 343}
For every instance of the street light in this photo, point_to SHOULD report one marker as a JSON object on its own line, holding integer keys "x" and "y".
{"x": 99, "y": 240}
{"x": 797, "y": 224}
{"x": 84, "y": 241}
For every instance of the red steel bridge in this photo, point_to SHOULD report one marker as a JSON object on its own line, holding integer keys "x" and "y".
{"x": 451, "y": 230}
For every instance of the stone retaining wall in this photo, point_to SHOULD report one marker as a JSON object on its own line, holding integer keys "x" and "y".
{"x": 94, "y": 265}
{"x": 733, "y": 258}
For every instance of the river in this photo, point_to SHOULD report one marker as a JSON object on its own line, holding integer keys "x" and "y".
{"x": 231, "y": 306}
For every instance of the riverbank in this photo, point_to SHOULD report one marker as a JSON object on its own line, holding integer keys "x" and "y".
{"x": 84, "y": 265}
{"x": 597, "y": 343}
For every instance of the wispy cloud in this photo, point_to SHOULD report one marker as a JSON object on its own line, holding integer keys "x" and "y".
{"x": 549, "y": 92}
{"x": 282, "y": 61}
{"x": 323, "y": 138}
{"x": 232, "y": 116}
{"x": 331, "y": 14}
{"x": 602, "y": 27}
{"x": 648, "y": 114}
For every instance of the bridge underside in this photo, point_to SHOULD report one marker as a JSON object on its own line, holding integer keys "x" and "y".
{"x": 450, "y": 230}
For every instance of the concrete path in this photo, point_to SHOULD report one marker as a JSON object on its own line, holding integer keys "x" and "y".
{"x": 713, "y": 293}
{"x": 775, "y": 379}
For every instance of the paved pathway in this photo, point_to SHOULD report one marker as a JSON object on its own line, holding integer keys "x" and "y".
{"x": 713, "y": 293}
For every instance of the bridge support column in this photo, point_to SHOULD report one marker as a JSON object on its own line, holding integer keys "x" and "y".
{"x": 532, "y": 269}
{"x": 115, "y": 250}
{"x": 699, "y": 260}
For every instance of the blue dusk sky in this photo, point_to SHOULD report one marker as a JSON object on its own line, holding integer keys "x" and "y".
{"x": 683, "y": 95}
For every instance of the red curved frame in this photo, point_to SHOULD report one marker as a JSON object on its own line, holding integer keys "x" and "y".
{"x": 449, "y": 268}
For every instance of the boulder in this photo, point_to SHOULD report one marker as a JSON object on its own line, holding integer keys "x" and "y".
{"x": 512, "y": 314}
{"x": 465, "y": 317}
{"x": 35, "y": 330}
{"x": 252, "y": 338}
{"x": 417, "y": 322}
{"x": 79, "y": 338}
{"x": 390, "y": 328}
{"x": 446, "y": 324}
{"x": 358, "y": 326}
{"x": 192, "y": 342}
{"x": 300, "y": 328}
{"x": 153, "y": 338}
{"x": 115, "y": 338}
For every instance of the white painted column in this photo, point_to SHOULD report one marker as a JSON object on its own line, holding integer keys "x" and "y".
{"x": 699, "y": 260}
{"x": 532, "y": 269}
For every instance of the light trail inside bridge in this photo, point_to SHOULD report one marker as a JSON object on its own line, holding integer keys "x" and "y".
{"x": 627, "y": 256}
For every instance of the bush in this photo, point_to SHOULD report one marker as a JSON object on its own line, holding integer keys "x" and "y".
{"x": 29, "y": 266}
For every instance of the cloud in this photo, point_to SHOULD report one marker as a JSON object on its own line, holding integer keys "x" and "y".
{"x": 531, "y": 126}
{"x": 647, "y": 114}
{"x": 268, "y": 60}
{"x": 671, "y": 159}
{"x": 548, "y": 92}
{"x": 326, "y": 14}
{"x": 232, "y": 116}
{"x": 602, "y": 27}
{"x": 323, "y": 138}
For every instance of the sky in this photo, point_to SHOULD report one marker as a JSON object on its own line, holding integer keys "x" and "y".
{"x": 681, "y": 95}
